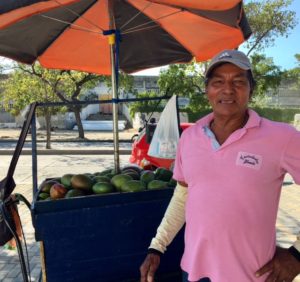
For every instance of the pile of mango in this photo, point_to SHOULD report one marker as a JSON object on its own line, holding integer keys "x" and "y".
{"x": 129, "y": 179}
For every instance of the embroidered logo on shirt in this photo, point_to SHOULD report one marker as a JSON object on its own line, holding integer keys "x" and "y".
{"x": 249, "y": 160}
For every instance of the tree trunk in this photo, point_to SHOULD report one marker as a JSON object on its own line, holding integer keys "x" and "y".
{"x": 78, "y": 122}
{"x": 48, "y": 128}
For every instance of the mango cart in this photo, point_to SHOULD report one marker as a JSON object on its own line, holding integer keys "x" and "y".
{"x": 100, "y": 237}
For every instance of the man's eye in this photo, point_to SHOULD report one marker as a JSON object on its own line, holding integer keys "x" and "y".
{"x": 217, "y": 82}
{"x": 240, "y": 81}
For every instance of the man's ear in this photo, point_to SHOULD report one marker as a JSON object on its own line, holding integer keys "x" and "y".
{"x": 250, "y": 95}
{"x": 205, "y": 91}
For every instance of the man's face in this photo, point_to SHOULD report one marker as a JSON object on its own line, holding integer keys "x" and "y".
{"x": 228, "y": 90}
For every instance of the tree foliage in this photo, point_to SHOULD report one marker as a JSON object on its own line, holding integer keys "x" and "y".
{"x": 268, "y": 19}
{"x": 146, "y": 106}
{"x": 186, "y": 80}
{"x": 293, "y": 75}
{"x": 21, "y": 89}
{"x": 267, "y": 75}
{"x": 125, "y": 82}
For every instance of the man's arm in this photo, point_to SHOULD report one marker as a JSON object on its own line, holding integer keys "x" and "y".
{"x": 172, "y": 222}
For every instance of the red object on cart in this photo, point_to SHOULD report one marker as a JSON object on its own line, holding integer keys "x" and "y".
{"x": 139, "y": 153}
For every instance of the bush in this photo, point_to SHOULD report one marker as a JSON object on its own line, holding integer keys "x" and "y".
{"x": 276, "y": 114}
{"x": 194, "y": 116}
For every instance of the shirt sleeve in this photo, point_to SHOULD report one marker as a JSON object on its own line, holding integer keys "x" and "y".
{"x": 172, "y": 221}
{"x": 297, "y": 243}
{"x": 178, "y": 171}
{"x": 291, "y": 157}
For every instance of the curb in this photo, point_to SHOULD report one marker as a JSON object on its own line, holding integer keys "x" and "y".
{"x": 67, "y": 152}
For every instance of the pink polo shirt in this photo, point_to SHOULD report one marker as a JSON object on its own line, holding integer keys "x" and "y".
{"x": 233, "y": 196}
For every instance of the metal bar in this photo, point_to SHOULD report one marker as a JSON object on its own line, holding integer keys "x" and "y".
{"x": 115, "y": 110}
{"x": 34, "y": 155}
{"x": 110, "y": 101}
{"x": 68, "y": 152}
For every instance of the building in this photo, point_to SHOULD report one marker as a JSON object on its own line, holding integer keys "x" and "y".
{"x": 287, "y": 95}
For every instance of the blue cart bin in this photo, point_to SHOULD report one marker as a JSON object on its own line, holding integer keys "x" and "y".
{"x": 103, "y": 237}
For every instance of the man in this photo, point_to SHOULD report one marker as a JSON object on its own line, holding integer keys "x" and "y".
{"x": 230, "y": 168}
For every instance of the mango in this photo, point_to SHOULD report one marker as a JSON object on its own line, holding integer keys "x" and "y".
{"x": 81, "y": 181}
{"x": 101, "y": 179}
{"x": 46, "y": 185}
{"x": 119, "y": 180}
{"x": 133, "y": 186}
{"x": 43, "y": 196}
{"x": 163, "y": 174}
{"x": 66, "y": 180}
{"x": 58, "y": 191}
{"x": 103, "y": 188}
{"x": 157, "y": 184}
{"x": 74, "y": 193}
{"x": 147, "y": 176}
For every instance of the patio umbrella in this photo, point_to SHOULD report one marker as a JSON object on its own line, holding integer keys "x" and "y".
{"x": 73, "y": 34}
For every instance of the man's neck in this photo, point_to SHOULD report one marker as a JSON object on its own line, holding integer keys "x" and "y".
{"x": 223, "y": 128}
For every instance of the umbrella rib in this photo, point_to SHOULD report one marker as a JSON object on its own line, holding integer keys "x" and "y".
{"x": 76, "y": 14}
{"x": 130, "y": 20}
{"x": 71, "y": 24}
{"x": 140, "y": 29}
{"x": 132, "y": 29}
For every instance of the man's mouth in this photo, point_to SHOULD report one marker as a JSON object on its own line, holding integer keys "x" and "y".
{"x": 226, "y": 101}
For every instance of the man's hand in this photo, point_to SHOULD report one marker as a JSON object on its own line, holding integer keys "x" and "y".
{"x": 282, "y": 268}
{"x": 149, "y": 267}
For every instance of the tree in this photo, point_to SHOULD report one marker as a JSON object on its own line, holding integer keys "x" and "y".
{"x": 293, "y": 75}
{"x": 125, "y": 82}
{"x": 267, "y": 75}
{"x": 24, "y": 89}
{"x": 186, "y": 80}
{"x": 66, "y": 85}
{"x": 145, "y": 106}
{"x": 268, "y": 19}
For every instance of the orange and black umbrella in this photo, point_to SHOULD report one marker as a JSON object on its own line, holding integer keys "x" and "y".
{"x": 73, "y": 34}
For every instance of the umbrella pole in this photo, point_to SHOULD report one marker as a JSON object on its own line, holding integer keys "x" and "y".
{"x": 115, "y": 106}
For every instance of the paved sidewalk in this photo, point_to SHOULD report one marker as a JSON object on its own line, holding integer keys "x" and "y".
{"x": 59, "y": 134}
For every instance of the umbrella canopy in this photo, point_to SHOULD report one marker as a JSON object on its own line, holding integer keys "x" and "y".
{"x": 72, "y": 34}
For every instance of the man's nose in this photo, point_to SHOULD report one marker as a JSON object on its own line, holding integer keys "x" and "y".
{"x": 228, "y": 87}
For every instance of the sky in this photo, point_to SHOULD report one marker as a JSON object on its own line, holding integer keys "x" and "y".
{"x": 282, "y": 53}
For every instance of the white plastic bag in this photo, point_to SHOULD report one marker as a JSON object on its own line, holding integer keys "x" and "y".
{"x": 166, "y": 135}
